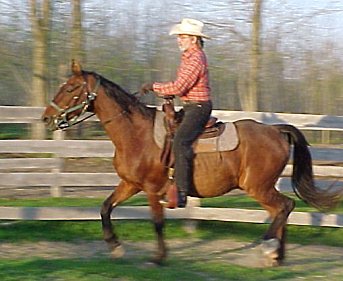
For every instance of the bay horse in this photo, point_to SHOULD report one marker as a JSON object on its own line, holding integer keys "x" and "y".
{"x": 254, "y": 166}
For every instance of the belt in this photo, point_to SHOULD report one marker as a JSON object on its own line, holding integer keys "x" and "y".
{"x": 195, "y": 102}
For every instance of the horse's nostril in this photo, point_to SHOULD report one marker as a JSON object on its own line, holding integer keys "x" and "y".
{"x": 45, "y": 119}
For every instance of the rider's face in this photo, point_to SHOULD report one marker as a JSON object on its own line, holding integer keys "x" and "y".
{"x": 185, "y": 41}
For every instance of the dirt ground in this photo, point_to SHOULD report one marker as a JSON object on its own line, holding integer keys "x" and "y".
{"x": 328, "y": 260}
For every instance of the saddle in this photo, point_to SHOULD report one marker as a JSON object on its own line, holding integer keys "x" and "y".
{"x": 172, "y": 120}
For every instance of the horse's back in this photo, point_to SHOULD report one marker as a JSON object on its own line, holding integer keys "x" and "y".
{"x": 261, "y": 140}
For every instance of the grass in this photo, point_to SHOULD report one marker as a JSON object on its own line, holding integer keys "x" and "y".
{"x": 137, "y": 230}
{"x": 143, "y": 230}
{"x": 245, "y": 202}
{"x": 14, "y": 131}
{"x": 239, "y": 201}
{"x": 135, "y": 269}
{"x": 53, "y": 202}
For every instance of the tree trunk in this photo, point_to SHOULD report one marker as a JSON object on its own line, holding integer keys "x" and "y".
{"x": 40, "y": 21}
{"x": 77, "y": 52}
{"x": 252, "y": 100}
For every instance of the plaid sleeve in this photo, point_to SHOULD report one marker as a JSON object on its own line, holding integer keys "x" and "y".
{"x": 187, "y": 77}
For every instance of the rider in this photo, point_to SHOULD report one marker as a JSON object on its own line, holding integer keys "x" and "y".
{"x": 192, "y": 86}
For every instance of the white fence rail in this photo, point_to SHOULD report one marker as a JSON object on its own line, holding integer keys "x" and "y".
{"x": 20, "y": 114}
{"x": 189, "y": 213}
{"x": 54, "y": 176}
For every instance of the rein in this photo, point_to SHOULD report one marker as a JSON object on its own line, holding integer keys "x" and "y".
{"x": 62, "y": 122}
{"x": 113, "y": 118}
{"x": 120, "y": 113}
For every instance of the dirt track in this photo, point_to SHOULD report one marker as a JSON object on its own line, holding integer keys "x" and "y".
{"x": 329, "y": 260}
{"x": 300, "y": 259}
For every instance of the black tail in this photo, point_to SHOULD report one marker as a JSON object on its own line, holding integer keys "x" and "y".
{"x": 302, "y": 177}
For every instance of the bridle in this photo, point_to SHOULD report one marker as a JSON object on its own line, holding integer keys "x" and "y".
{"x": 61, "y": 120}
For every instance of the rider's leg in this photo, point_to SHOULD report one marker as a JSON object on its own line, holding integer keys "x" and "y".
{"x": 192, "y": 125}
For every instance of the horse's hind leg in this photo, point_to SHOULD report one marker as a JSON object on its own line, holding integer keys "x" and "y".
{"x": 279, "y": 207}
{"x": 121, "y": 193}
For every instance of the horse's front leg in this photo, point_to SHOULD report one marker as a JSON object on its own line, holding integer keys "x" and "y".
{"x": 157, "y": 212}
{"x": 121, "y": 193}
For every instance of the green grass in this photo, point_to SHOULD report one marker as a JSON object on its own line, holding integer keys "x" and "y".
{"x": 66, "y": 202}
{"x": 142, "y": 230}
{"x": 103, "y": 269}
{"x": 245, "y": 202}
{"x": 134, "y": 267}
{"x": 138, "y": 230}
{"x": 240, "y": 201}
{"x": 52, "y": 202}
{"x": 14, "y": 131}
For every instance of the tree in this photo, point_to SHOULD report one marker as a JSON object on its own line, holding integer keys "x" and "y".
{"x": 252, "y": 97}
{"x": 40, "y": 21}
{"x": 77, "y": 52}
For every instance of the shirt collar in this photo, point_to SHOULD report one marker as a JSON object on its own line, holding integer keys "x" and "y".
{"x": 188, "y": 53}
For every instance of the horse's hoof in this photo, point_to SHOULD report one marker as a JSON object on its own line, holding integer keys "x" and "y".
{"x": 270, "y": 248}
{"x": 157, "y": 261}
{"x": 118, "y": 252}
{"x": 271, "y": 262}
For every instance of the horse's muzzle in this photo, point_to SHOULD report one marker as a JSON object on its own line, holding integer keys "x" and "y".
{"x": 50, "y": 122}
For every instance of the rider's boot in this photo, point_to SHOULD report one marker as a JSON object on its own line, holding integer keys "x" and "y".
{"x": 182, "y": 198}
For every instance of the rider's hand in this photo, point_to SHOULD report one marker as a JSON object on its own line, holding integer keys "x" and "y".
{"x": 146, "y": 88}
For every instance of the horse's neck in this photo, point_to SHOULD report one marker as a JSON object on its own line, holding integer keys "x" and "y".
{"x": 125, "y": 132}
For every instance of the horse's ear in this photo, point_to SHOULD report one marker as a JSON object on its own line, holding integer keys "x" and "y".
{"x": 76, "y": 67}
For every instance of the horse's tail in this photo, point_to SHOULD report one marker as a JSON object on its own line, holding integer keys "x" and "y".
{"x": 302, "y": 176}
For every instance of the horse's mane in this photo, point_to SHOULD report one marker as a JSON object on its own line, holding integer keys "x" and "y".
{"x": 125, "y": 100}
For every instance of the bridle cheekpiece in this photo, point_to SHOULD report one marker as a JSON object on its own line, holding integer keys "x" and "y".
{"x": 61, "y": 120}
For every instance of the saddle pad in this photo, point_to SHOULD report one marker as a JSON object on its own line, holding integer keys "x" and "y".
{"x": 227, "y": 141}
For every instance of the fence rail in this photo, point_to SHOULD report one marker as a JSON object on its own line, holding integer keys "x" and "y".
{"x": 189, "y": 213}
{"x": 328, "y": 165}
{"x": 21, "y": 114}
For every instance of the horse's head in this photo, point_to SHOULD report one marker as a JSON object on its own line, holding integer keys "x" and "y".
{"x": 73, "y": 99}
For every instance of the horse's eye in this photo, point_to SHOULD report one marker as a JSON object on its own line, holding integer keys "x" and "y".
{"x": 72, "y": 88}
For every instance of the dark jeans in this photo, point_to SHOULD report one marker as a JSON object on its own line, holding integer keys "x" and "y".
{"x": 192, "y": 125}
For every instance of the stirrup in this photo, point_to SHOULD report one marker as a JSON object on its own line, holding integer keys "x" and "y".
{"x": 168, "y": 204}
{"x": 172, "y": 204}
{"x": 171, "y": 197}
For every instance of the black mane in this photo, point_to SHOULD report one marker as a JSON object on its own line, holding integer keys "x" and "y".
{"x": 125, "y": 100}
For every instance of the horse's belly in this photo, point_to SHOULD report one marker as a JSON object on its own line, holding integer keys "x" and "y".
{"x": 215, "y": 173}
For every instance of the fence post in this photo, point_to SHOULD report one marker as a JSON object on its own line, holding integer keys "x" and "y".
{"x": 56, "y": 190}
{"x": 190, "y": 225}
{"x": 325, "y": 137}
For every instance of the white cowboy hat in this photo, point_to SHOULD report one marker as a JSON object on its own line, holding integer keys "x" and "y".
{"x": 188, "y": 27}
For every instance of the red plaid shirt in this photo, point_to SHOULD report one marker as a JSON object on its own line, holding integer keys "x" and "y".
{"x": 192, "y": 83}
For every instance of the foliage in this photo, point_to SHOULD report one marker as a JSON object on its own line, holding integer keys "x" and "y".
{"x": 301, "y": 71}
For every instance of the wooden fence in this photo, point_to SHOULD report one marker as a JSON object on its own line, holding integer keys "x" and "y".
{"x": 328, "y": 165}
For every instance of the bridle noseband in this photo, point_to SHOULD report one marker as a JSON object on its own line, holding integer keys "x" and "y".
{"x": 61, "y": 120}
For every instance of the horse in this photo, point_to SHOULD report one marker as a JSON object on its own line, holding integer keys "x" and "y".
{"x": 254, "y": 166}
